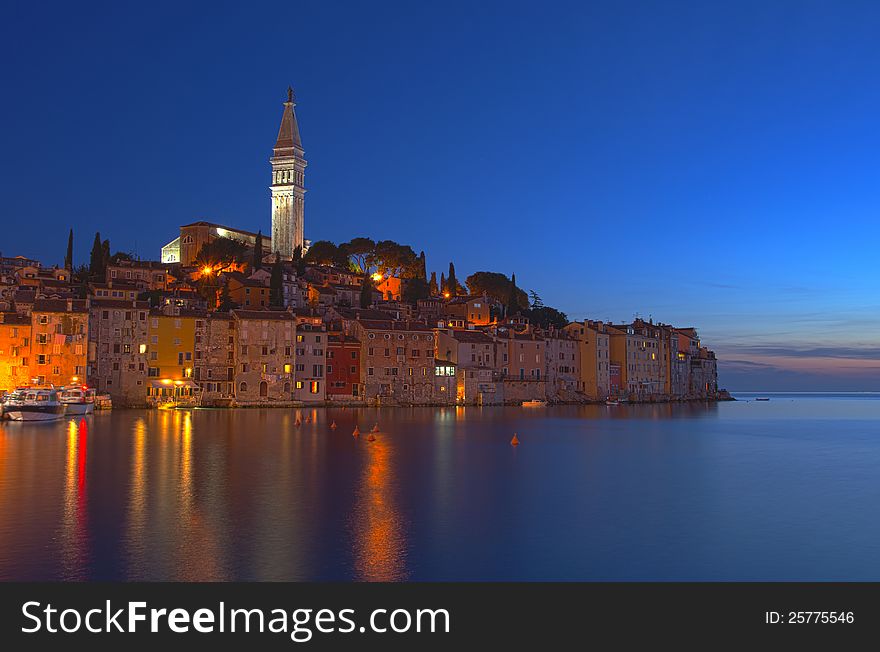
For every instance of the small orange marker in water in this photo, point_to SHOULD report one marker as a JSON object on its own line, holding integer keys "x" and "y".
{"x": 297, "y": 423}
{"x": 333, "y": 426}
{"x": 356, "y": 432}
{"x": 375, "y": 428}
{"x": 371, "y": 437}
{"x": 514, "y": 441}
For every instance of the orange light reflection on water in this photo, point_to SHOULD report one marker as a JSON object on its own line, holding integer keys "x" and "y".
{"x": 379, "y": 539}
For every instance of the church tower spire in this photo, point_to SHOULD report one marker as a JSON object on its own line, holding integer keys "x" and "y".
{"x": 288, "y": 177}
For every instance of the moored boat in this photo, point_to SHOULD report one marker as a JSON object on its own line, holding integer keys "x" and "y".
{"x": 79, "y": 399}
{"x": 612, "y": 401}
{"x": 762, "y": 398}
{"x": 27, "y": 404}
{"x": 534, "y": 403}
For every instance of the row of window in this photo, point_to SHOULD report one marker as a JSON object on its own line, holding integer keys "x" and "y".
{"x": 414, "y": 353}
{"x": 393, "y": 371}
{"x": 400, "y": 336}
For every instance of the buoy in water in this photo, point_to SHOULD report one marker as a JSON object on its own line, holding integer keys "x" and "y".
{"x": 333, "y": 426}
{"x": 297, "y": 423}
{"x": 371, "y": 437}
{"x": 356, "y": 432}
{"x": 375, "y": 428}
{"x": 514, "y": 441}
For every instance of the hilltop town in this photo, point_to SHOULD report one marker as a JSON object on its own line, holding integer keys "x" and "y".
{"x": 228, "y": 317}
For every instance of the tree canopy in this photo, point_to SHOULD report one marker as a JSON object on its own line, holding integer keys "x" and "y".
{"x": 221, "y": 252}
{"x": 358, "y": 251}
{"x": 545, "y": 316}
{"x": 393, "y": 259}
{"x": 495, "y": 286}
{"x": 415, "y": 289}
{"x": 324, "y": 252}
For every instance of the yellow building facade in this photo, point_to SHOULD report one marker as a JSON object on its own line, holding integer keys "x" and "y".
{"x": 171, "y": 355}
{"x": 15, "y": 350}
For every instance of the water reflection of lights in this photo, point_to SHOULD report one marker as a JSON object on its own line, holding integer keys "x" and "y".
{"x": 74, "y": 537}
{"x": 380, "y": 542}
{"x": 137, "y": 496}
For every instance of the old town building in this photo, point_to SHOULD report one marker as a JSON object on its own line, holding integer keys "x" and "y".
{"x": 397, "y": 361}
{"x": 59, "y": 341}
{"x": 311, "y": 359}
{"x": 15, "y": 350}
{"x": 343, "y": 368}
{"x": 264, "y": 356}
{"x": 117, "y": 353}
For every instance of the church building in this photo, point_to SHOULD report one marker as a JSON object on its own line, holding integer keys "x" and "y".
{"x": 287, "y": 191}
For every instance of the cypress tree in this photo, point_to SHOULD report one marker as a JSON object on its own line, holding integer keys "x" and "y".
{"x": 432, "y": 285}
{"x": 226, "y": 303}
{"x": 96, "y": 257}
{"x": 298, "y": 263}
{"x": 451, "y": 281}
{"x": 443, "y": 287}
{"x": 68, "y": 258}
{"x": 105, "y": 256}
{"x": 512, "y": 299}
{"x": 257, "y": 262}
{"x": 276, "y": 284}
{"x": 366, "y": 292}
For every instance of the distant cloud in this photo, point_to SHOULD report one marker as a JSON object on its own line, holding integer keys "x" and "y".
{"x": 868, "y": 352}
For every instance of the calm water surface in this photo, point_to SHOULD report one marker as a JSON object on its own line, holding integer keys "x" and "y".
{"x": 782, "y": 490}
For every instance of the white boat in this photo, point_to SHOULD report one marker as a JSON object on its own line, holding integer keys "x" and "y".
{"x": 762, "y": 398}
{"x": 535, "y": 403}
{"x": 34, "y": 405}
{"x": 79, "y": 399}
{"x": 612, "y": 401}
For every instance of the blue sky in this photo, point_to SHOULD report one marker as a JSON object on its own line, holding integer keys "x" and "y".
{"x": 707, "y": 164}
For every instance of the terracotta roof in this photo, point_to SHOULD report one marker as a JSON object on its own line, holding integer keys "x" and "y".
{"x": 180, "y": 312}
{"x": 280, "y": 315}
{"x": 14, "y": 318}
{"x": 393, "y": 325}
{"x": 361, "y": 313}
{"x": 472, "y": 337}
{"x": 244, "y": 280}
{"x": 231, "y": 229}
{"x": 103, "y": 302}
{"x": 343, "y": 339}
{"x": 59, "y": 305}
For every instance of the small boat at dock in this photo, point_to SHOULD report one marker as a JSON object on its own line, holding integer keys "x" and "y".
{"x": 612, "y": 401}
{"x": 762, "y": 398}
{"x": 79, "y": 399}
{"x": 30, "y": 404}
{"x": 534, "y": 403}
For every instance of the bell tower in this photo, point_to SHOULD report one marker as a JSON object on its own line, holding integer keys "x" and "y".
{"x": 288, "y": 178}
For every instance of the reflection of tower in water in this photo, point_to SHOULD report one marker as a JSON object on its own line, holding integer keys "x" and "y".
{"x": 379, "y": 530}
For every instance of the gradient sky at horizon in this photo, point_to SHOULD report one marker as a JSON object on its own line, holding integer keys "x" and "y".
{"x": 704, "y": 164}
